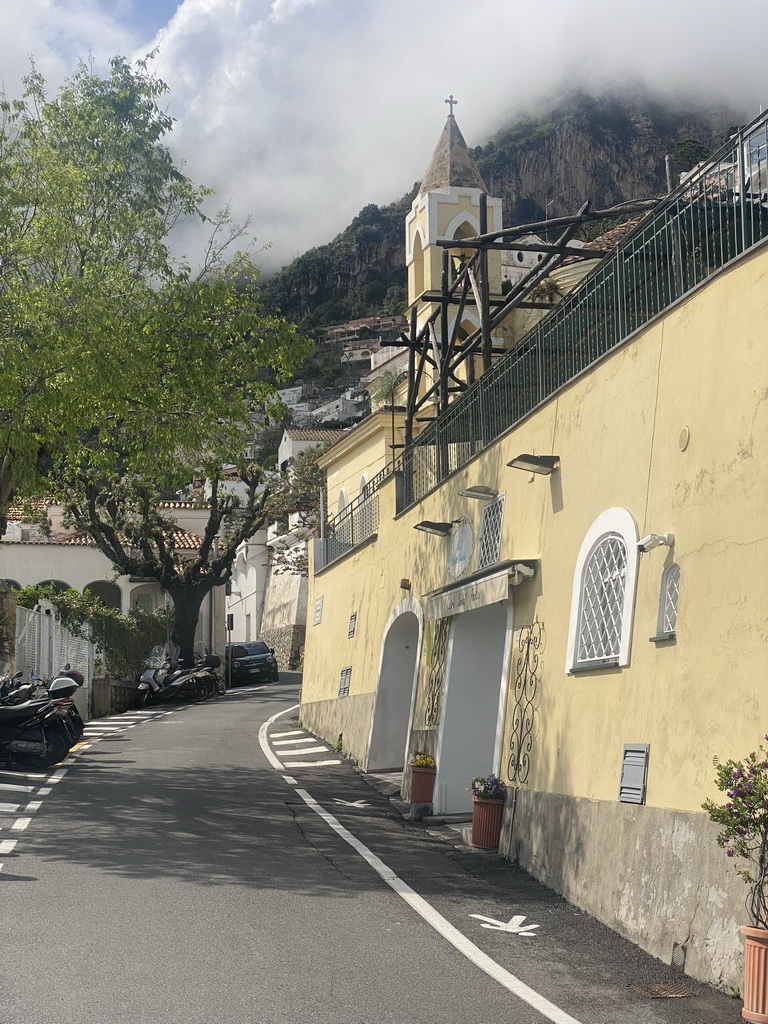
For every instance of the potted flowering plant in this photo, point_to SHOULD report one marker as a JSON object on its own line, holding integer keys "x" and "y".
{"x": 743, "y": 821}
{"x": 488, "y": 794}
{"x": 423, "y": 771}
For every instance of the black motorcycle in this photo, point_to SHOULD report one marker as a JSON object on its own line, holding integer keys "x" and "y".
{"x": 33, "y": 733}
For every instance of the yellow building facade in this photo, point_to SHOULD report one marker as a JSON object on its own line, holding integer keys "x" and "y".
{"x": 590, "y": 623}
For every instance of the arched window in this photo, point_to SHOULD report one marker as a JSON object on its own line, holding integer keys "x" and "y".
{"x": 342, "y": 501}
{"x": 108, "y": 593}
{"x": 670, "y": 591}
{"x": 603, "y": 594}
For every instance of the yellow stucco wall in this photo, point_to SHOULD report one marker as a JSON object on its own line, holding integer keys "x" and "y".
{"x": 617, "y": 431}
{"x": 364, "y": 451}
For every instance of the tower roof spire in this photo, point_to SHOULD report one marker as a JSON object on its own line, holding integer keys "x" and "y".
{"x": 452, "y": 164}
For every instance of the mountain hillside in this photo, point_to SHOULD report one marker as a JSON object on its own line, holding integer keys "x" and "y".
{"x": 608, "y": 149}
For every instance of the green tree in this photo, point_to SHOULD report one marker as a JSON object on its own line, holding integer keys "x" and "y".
{"x": 125, "y": 374}
{"x": 98, "y": 321}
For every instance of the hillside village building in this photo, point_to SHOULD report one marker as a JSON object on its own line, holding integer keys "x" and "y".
{"x": 563, "y": 577}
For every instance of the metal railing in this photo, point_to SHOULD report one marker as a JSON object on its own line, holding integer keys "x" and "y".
{"x": 717, "y": 214}
{"x": 354, "y": 524}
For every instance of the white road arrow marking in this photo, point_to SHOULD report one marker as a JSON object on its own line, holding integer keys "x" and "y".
{"x": 352, "y": 803}
{"x": 514, "y": 926}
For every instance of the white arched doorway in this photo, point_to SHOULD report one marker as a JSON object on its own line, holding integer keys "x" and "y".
{"x": 391, "y": 715}
{"x": 471, "y": 718}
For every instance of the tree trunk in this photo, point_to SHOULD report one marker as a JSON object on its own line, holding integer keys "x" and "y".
{"x": 186, "y": 606}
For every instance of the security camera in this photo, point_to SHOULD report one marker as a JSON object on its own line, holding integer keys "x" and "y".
{"x": 655, "y": 540}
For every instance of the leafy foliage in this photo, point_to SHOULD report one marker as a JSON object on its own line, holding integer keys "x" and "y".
{"x": 125, "y": 374}
{"x": 89, "y": 288}
{"x": 123, "y": 640}
{"x": 743, "y": 821}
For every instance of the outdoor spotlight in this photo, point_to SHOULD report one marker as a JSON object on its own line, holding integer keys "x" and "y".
{"x": 479, "y": 491}
{"x": 655, "y": 540}
{"x": 543, "y": 464}
{"x": 439, "y": 529}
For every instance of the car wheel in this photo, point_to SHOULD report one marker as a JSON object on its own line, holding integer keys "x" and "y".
{"x": 275, "y": 678}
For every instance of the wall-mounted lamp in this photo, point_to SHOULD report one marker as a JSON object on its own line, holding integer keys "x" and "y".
{"x": 479, "y": 491}
{"x": 439, "y": 529}
{"x": 655, "y": 540}
{"x": 405, "y": 584}
{"x": 543, "y": 464}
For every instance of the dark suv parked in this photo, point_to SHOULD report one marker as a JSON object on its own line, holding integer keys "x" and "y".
{"x": 251, "y": 662}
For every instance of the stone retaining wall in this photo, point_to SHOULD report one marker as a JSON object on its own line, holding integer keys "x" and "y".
{"x": 288, "y": 642}
{"x": 111, "y": 696}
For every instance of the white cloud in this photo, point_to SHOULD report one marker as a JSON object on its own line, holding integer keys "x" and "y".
{"x": 302, "y": 111}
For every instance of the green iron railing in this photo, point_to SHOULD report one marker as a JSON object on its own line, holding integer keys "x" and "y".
{"x": 353, "y": 525}
{"x": 719, "y": 213}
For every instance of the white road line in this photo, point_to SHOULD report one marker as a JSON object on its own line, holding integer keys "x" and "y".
{"x": 58, "y": 775}
{"x": 17, "y": 789}
{"x": 420, "y": 905}
{"x": 44, "y": 791}
{"x": 266, "y": 750}
{"x": 25, "y": 775}
{"x": 305, "y": 750}
{"x": 307, "y": 764}
{"x": 20, "y": 824}
{"x": 441, "y": 924}
{"x": 8, "y": 808}
{"x": 291, "y": 732}
{"x": 285, "y": 743}
{"x": 7, "y": 845}
{"x": 33, "y": 806}
{"x": 290, "y": 780}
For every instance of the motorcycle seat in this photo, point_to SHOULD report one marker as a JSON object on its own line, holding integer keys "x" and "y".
{"x": 10, "y": 712}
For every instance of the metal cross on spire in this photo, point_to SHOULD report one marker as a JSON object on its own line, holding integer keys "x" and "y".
{"x": 451, "y": 103}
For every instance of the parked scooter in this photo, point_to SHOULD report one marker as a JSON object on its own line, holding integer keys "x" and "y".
{"x": 13, "y": 691}
{"x": 33, "y": 733}
{"x": 163, "y": 680}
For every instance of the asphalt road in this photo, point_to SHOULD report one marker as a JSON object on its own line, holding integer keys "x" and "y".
{"x": 174, "y": 873}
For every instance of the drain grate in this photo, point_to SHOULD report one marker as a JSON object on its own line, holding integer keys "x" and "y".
{"x": 662, "y": 991}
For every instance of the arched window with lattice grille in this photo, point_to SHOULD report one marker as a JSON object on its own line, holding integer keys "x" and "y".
{"x": 602, "y": 605}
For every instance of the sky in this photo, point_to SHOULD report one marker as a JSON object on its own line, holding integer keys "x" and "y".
{"x": 300, "y": 112}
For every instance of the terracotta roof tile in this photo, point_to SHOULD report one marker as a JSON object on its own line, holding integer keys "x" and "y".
{"x": 28, "y": 511}
{"x": 311, "y": 434}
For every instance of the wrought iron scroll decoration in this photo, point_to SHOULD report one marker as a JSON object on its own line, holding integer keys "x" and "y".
{"x": 436, "y": 672}
{"x": 528, "y": 667}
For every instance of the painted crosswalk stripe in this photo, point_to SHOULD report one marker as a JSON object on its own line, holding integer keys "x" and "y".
{"x": 307, "y": 764}
{"x": 292, "y": 732}
{"x": 285, "y": 743}
{"x": 307, "y": 750}
{"x": 8, "y": 808}
{"x": 6, "y": 845}
{"x": 20, "y": 824}
{"x": 17, "y": 789}
{"x": 33, "y": 806}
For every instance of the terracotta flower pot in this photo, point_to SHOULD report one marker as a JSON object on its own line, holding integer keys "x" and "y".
{"x": 486, "y": 822}
{"x": 755, "y": 992}
{"x": 422, "y": 784}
